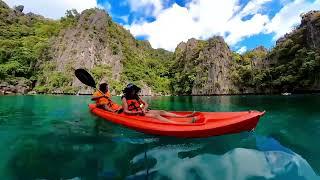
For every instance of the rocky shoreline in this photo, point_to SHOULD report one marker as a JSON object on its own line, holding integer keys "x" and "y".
{"x": 23, "y": 90}
{"x": 20, "y": 88}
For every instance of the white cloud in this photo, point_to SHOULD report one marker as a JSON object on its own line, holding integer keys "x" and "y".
{"x": 53, "y": 8}
{"x": 106, "y": 5}
{"x": 253, "y": 7}
{"x": 202, "y": 19}
{"x": 242, "y": 50}
{"x": 124, "y": 18}
{"x": 172, "y": 26}
{"x": 289, "y": 16}
{"x": 240, "y": 29}
{"x": 147, "y": 7}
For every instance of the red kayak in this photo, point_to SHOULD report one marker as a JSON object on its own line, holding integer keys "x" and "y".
{"x": 209, "y": 123}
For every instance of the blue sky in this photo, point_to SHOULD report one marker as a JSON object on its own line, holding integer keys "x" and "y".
{"x": 244, "y": 24}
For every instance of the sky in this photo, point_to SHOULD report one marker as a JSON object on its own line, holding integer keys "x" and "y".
{"x": 244, "y": 24}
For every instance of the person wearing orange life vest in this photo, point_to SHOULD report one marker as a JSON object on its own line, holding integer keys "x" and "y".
{"x": 133, "y": 105}
{"x": 104, "y": 100}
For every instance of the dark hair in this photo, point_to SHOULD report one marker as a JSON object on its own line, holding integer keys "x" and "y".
{"x": 103, "y": 87}
{"x": 127, "y": 91}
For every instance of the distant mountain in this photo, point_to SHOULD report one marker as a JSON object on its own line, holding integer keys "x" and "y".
{"x": 209, "y": 67}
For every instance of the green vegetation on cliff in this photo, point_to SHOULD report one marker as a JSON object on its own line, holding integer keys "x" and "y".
{"x": 248, "y": 71}
{"x": 141, "y": 63}
{"x": 292, "y": 65}
{"x": 202, "y": 67}
{"x": 186, "y": 66}
{"x": 43, "y": 53}
{"x": 24, "y": 43}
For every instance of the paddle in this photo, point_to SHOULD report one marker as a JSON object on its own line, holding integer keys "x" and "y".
{"x": 86, "y": 78}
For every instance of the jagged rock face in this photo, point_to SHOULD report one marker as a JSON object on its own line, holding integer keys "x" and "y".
{"x": 146, "y": 91}
{"x": 311, "y": 22}
{"x": 260, "y": 61}
{"x": 210, "y": 61}
{"x": 3, "y": 5}
{"x": 19, "y": 8}
{"x": 85, "y": 46}
{"x": 310, "y": 28}
{"x": 305, "y": 38}
{"x": 217, "y": 58}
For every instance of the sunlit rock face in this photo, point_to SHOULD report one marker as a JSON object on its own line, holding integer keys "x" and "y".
{"x": 208, "y": 63}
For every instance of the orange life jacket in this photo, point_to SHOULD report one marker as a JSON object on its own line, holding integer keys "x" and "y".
{"x": 135, "y": 105}
{"x": 106, "y": 101}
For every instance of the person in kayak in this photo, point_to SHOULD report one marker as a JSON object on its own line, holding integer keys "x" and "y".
{"x": 104, "y": 100}
{"x": 133, "y": 105}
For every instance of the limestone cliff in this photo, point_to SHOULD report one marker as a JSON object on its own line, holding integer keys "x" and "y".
{"x": 85, "y": 45}
{"x": 311, "y": 23}
{"x": 296, "y": 57}
{"x": 307, "y": 34}
{"x": 258, "y": 57}
{"x": 94, "y": 42}
{"x": 44, "y": 53}
{"x": 204, "y": 65}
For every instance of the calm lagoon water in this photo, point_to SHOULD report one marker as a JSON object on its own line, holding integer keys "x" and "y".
{"x": 56, "y": 137}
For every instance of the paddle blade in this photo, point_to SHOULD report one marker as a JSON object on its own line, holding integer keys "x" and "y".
{"x": 85, "y": 77}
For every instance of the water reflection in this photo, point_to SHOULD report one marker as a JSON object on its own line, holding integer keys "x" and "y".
{"x": 55, "y": 137}
{"x": 267, "y": 162}
{"x": 108, "y": 152}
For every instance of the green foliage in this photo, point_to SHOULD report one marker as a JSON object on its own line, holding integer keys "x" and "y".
{"x": 70, "y": 19}
{"x": 24, "y": 42}
{"x": 50, "y": 79}
{"x": 70, "y": 89}
{"x": 47, "y": 29}
{"x": 141, "y": 63}
{"x": 42, "y": 89}
{"x": 236, "y": 57}
{"x": 47, "y": 83}
{"x": 101, "y": 71}
{"x": 25, "y": 53}
{"x": 187, "y": 74}
{"x": 116, "y": 86}
{"x": 182, "y": 83}
{"x": 12, "y": 68}
{"x": 296, "y": 67}
{"x": 242, "y": 74}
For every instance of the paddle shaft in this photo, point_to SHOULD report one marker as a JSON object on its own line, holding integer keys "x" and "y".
{"x": 86, "y": 78}
{"x": 101, "y": 92}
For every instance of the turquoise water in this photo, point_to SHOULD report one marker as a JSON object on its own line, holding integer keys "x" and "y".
{"x": 55, "y": 137}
